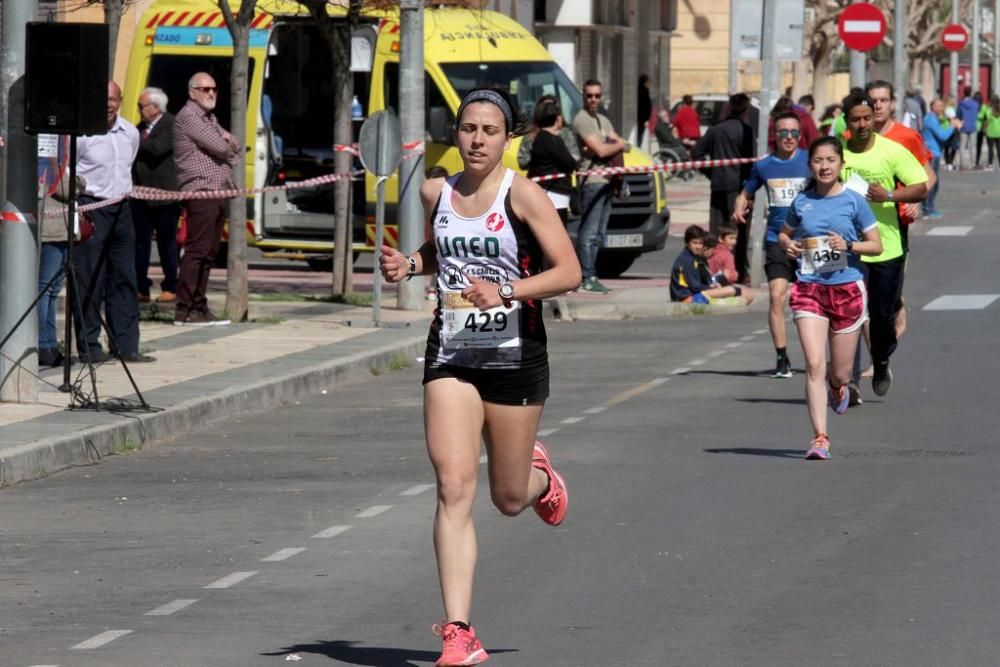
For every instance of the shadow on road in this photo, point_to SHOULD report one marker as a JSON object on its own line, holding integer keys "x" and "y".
{"x": 742, "y": 374}
{"x": 370, "y": 656}
{"x": 759, "y": 451}
{"x": 785, "y": 401}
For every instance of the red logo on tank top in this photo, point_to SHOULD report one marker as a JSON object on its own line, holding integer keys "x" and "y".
{"x": 494, "y": 222}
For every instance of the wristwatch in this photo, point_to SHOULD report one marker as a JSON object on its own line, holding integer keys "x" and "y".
{"x": 850, "y": 245}
{"x": 412, "y": 269}
{"x": 890, "y": 196}
{"x": 506, "y": 292}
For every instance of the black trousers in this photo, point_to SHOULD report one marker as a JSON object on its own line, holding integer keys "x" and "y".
{"x": 885, "y": 291}
{"x": 162, "y": 219}
{"x": 106, "y": 270}
{"x": 721, "y": 205}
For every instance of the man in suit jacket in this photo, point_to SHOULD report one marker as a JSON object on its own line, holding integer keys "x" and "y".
{"x": 154, "y": 168}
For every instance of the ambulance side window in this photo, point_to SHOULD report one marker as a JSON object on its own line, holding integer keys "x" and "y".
{"x": 436, "y": 111}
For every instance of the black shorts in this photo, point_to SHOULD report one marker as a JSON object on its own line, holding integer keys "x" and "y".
{"x": 777, "y": 264}
{"x": 506, "y": 386}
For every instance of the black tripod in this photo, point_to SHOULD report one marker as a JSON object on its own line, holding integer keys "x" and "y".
{"x": 78, "y": 399}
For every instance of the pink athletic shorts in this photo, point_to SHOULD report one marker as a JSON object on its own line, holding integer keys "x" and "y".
{"x": 844, "y": 306}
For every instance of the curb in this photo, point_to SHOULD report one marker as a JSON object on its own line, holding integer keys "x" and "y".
{"x": 634, "y": 307}
{"x": 32, "y": 460}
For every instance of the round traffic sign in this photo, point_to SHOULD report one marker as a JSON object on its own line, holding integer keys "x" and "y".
{"x": 861, "y": 26}
{"x": 954, "y": 37}
{"x": 380, "y": 143}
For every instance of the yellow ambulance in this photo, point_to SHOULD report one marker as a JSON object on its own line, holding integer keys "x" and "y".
{"x": 290, "y": 108}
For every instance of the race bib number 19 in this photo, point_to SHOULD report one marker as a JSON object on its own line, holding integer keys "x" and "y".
{"x": 463, "y": 326}
{"x": 781, "y": 191}
{"x": 819, "y": 257}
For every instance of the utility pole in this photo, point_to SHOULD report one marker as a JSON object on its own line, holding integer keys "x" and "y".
{"x": 18, "y": 194}
{"x": 734, "y": 74}
{"x": 411, "y": 171}
{"x": 770, "y": 85}
{"x": 996, "y": 48}
{"x": 900, "y": 67}
{"x": 858, "y": 74}
{"x": 953, "y": 58}
{"x": 976, "y": 29}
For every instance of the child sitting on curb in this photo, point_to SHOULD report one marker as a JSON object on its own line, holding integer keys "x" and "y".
{"x": 687, "y": 282}
{"x": 722, "y": 262}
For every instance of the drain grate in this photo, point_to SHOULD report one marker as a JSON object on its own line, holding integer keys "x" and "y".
{"x": 903, "y": 454}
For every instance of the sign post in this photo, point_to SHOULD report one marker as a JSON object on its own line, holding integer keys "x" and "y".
{"x": 380, "y": 144}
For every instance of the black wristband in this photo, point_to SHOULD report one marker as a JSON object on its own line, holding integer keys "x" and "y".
{"x": 739, "y": 290}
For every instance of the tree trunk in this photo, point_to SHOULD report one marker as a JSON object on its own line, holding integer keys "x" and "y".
{"x": 113, "y": 17}
{"x": 237, "y": 280}
{"x": 802, "y": 80}
{"x": 343, "y": 263}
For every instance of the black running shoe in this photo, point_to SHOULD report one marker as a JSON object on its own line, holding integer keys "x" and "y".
{"x": 882, "y": 380}
{"x": 783, "y": 369}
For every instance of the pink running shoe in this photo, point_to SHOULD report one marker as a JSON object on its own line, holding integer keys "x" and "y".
{"x": 820, "y": 449}
{"x": 460, "y": 646}
{"x": 551, "y": 506}
{"x": 840, "y": 399}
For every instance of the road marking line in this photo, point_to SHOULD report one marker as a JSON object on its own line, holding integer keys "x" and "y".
{"x": 372, "y": 511}
{"x": 631, "y": 393}
{"x": 170, "y": 608}
{"x": 962, "y": 302}
{"x": 746, "y": 339}
{"x": 696, "y": 362}
{"x": 100, "y": 640}
{"x": 733, "y": 345}
{"x": 759, "y": 332}
{"x": 332, "y": 531}
{"x": 572, "y": 420}
{"x": 592, "y": 411}
{"x": 417, "y": 490}
{"x": 951, "y": 230}
{"x": 231, "y": 579}
{"x": 283, "y": 554}
{"x": 43, "y": 665}
{"x": 656, "y": 382}
{"x": 680, "y": 371}
{"x": 545, "y": 432}
{"x": 715, "y": 353}
{"x": 982, "y": 214}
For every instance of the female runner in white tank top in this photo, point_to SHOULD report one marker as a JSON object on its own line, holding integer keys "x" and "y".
{"x": 486, "y": 373}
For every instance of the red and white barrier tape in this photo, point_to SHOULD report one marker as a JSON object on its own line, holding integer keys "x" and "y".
{"x": 415, "y": 148}
{"x": 13, "y": 216}
{"x": 673, "y": 166}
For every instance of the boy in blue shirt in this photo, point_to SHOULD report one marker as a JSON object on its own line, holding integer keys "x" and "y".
{"x": 785, "y": 173}
{"x": 689, "y": 276}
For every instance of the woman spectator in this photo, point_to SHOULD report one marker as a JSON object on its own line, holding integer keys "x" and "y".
{"x": 550, "y": 155}
{"x": 829, "y": 117}
{"x": 567, "y": 134}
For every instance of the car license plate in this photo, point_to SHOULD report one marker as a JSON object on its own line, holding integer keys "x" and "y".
{"x": 623, "y": 241}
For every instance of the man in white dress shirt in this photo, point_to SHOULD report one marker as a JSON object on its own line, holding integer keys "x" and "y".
{"x": 106, "y": 262}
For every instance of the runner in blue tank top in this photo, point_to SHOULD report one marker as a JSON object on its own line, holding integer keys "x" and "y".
{"x": 486, "y": 372}
{"x": 785, "y": 174}
{"x": 827, "y": 228}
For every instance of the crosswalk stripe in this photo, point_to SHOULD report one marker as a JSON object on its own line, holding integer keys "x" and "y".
{"x": 951, "y": 230}
{"x": 962, "y": 302}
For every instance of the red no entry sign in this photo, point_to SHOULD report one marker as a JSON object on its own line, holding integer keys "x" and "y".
{"x": 954, "y": 37}
{"x": 861, "y": 26}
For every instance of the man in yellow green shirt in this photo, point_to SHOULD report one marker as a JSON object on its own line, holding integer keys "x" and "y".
{"x": 877, "y": 165}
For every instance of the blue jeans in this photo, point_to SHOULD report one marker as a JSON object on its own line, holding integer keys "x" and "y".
{"x": 929, "y": 203}
{"x": 595, "y": 202}
{"x": 49, "y": 263}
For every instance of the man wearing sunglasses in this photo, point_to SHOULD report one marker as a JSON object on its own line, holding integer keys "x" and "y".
{"x": 205, "y": 155}
{"x": 785, "y": 173}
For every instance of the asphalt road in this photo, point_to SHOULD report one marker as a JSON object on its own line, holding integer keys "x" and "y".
{"x": 696, "y": 534}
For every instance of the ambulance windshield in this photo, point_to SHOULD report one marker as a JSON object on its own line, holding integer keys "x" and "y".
{"x": 525, "y": 81}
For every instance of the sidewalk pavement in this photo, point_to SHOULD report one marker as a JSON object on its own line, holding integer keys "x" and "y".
{"x": 288, "y": 349}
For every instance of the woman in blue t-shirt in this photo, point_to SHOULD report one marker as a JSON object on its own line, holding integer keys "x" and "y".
{"x": 827, "y": 229}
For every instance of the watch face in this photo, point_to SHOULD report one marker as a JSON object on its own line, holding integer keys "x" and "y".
{"x": 506, "y": 291}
